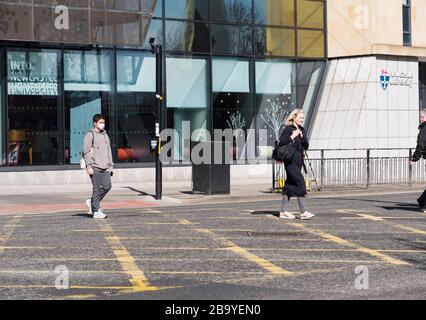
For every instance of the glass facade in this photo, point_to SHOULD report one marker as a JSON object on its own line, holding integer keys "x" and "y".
{"x": 406, "y": 22}
{"x": 88, "y": 81}
{"x": 33, "y": 107}
{"x": 422, "y": 85}
{"x": 228, "y": 64}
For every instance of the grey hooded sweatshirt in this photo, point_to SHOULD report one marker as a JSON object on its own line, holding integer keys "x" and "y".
{"x": 101, "y": 156}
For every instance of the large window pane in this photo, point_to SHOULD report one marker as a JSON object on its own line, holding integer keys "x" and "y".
{"x": 120, "y": 22}
{"x": 187, "y": 36}
{"x": 3, "y": 140}
{"x": 406, "y": 19}
{"x": 147, "y": 6}
{"x": 232, "y": 99}
{"x": 44, "y": 29}
{"x": 232, "y": 40}
{"x": 88, "y": 91}
{"x": 311, "y": 44}
{"x": 117, "y": 27}
{"x": 310, "y": 14}
{"x": 308, "y": 85}
{"x": 422, "y": 70}
{"x": 275, "y": 96}
{"x": 187, "y": 9}
{"x": 153, "y": 28}
{"x": 154, "y": 7}
{"x": 274, "y": 12}
{"x": 34, "y": 107}
{"x": 235, "y": 11}
{"x": 136, "y": 105}
{"x": 275, "y": 42}
{"x": 187, "y": 98}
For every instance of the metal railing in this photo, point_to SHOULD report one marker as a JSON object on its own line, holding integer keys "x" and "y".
{"x": 357, "y": 167}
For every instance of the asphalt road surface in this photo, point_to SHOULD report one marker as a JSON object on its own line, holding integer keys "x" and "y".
{"x": 357, "y": 248}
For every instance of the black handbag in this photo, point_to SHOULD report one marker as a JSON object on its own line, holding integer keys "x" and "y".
{"x": 284, "y": 153}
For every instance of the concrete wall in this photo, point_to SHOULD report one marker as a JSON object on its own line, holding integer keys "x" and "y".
{"x": 363, "y": 27}
{"x": 239, "y": 174}
{"x": 356, "y": 112}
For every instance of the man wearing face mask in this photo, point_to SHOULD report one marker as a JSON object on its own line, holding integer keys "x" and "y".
{"x": 99, "y": 164}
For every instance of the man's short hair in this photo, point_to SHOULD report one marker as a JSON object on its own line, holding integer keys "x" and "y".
{"x": 98, "y": 117}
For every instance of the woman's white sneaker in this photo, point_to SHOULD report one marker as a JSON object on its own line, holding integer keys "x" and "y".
{"x": 287, "y": 215}
{"x": 99, "y": 215}
{"x": 307, "y": 216}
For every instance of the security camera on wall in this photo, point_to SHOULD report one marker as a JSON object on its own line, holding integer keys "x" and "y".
{"x": 151, "y": 43}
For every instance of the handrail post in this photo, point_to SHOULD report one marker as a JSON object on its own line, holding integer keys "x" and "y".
{"x": 368, "y": 167}
{"x": 410, "y": 169}
{"x": 273, "y": 176}
{"x": 322, "y": 169}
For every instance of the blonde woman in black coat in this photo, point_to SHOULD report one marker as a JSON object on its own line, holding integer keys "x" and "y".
{"x": 295, "y": 186}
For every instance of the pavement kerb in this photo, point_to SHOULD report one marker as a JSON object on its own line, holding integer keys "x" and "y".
{"x": 312, "y": 195}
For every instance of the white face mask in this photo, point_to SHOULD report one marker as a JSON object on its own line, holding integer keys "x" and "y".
{"x": 101, "y": 126}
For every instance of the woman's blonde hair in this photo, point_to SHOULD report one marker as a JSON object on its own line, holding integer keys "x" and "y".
{"x": 292, "y": 116}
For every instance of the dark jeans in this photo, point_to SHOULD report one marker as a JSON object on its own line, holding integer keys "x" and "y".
{"x": 423, "y": 196}
{"x": 101, "y": 181}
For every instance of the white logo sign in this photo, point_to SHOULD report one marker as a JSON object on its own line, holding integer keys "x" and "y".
{"x": 62, "y": 282}
{"x": 62, "y": 21}
{"x": 401, "y": 79}
{"x": 22, "y": 82}
{"x": 362, "y": 282}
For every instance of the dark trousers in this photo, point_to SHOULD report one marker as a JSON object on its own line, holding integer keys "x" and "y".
{"x": 423, "y": 196}
{"x": 101, "y": 181}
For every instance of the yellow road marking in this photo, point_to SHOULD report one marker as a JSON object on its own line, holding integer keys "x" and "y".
{"x": 159, "y": 238}
{"x": 48, "y": 272}
{"x": 101, "y": 287}
{"x": 71, "y": 287}
{"x": 386, "y": 218}
{"x": 8, "y": 230}
{"x": 201, "y": 272}
{"x": 31, "y": 248}
{"x": 26, "y": 287}
{"x": 352, "y": 211}
{"x": 230, "y": 246}
{"x": 270, "y": 276}
{"x": 403, "y": 251}
{"x": 326, "y": 261}
{"x": 335, "y": 239}
{"x": 127, "y": 262}
{"x": 410, "y": 229}
{"x": 380, "y": 219}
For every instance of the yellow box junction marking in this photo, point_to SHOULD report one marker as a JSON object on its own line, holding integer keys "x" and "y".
{"x": 380, "y": 219}
{"x": 335, "y": 239}
{"x": 265, "y": 264}
{"x": 8, "y": 230}
{"x": 128, "y": 263}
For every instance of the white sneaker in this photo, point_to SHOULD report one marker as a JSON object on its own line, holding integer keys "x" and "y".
{"x": 99, "y": 215}
{"x": 89, "y": 205}
{"x": 287, "y": 215}
{"x": 307, "y": 216}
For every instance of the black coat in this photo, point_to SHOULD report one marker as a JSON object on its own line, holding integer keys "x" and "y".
{"x": 421, "y": 143}
{"x": 295, "y": 185}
